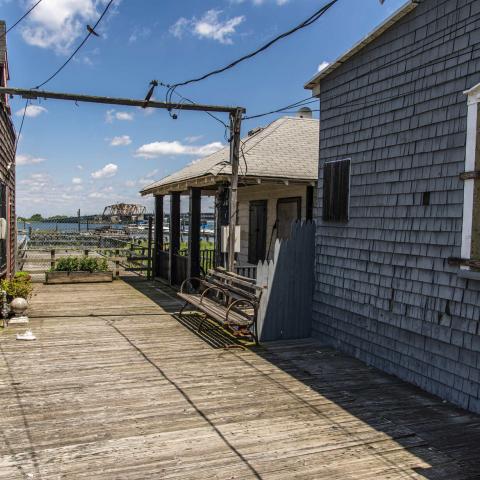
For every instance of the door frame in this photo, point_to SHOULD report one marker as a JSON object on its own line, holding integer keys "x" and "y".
{"x": 297, "y": 200}
{"x": 264, "y": 204}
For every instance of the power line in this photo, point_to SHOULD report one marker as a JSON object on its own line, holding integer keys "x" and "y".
{"x": 21, "y": 18}
{"x": 21, "y": 128}
{"x": 436, "y": 42}
{"x": 309, "y": 21}
{"x": 300, "y": 103}
{"x": 90, "y": 31}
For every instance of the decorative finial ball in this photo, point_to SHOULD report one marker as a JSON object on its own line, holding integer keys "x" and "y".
{"x": 18, "y": 305}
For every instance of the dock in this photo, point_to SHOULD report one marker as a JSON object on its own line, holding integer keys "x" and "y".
{"x": 118, "y": 386}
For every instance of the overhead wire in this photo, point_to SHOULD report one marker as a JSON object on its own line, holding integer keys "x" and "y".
{"x": 347, "y": 104}
{"x": 439, "y": 40}
{"x": 82, "y": 43}
{"x": 309, "y": 21}
{"x": 300, "y": 103}
{"x": 90, "y": 31}
{"x": 21, "y": 18}
{"x": 20, "y": 128}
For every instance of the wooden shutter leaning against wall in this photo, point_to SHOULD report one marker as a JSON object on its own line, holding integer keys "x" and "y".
{"x": 336, "y": 191}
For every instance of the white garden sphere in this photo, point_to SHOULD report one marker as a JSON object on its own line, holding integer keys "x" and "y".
{"x": 18, "y": 305}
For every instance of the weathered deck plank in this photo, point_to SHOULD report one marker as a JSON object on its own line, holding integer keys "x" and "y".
{"x": 116, "y": 387}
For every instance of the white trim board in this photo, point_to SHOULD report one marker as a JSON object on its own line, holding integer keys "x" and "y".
{"x": 473, "y": 102}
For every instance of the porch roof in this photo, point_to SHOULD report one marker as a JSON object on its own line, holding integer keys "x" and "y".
{"x": 285, "y": 150}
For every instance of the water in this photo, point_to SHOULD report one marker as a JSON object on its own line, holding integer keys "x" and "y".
{"x": 25, "y": 227}
{"x": 63, "y": 227}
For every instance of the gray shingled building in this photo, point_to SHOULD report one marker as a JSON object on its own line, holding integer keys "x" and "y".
{"x": 398, "y": 223}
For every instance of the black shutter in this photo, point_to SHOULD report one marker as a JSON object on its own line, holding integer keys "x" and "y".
{"x": 336, "y": 191}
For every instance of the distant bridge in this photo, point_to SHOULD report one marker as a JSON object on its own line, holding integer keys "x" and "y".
{"x": 123, "y": 211}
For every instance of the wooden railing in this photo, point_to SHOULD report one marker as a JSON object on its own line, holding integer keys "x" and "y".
{"x": 249, "y": 271}
{"x": 38, "y": 260}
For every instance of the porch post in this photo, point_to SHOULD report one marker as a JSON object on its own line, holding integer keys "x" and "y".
{"x": 158, "y": 240}
{"x": 310, "y": 201}
{"x": 194, "y": 232}
{"x": 174, "y": 235}
{"x": 221, "y": 220}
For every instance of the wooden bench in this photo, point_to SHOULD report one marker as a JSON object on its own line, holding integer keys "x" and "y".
{"x": 227, "y": 298}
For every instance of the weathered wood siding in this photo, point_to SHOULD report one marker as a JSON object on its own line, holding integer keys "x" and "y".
{"x": 384, "y": 291}
{"x": 7, "y": 157}
{"x": 285, "y": 311}
{"x": 271, "y": 193}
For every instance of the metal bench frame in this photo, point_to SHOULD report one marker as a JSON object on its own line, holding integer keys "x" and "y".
{"x": 231, "y": 300}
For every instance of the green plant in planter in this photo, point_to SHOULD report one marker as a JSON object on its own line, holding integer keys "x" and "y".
{"x": 81, "y": 264}
{"x": 17, "y": 288}
{"x": 22, "y": 276}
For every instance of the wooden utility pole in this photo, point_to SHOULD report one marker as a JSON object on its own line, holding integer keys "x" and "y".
{"x": 235, "y": 128}
{"x": 128, "y": 102}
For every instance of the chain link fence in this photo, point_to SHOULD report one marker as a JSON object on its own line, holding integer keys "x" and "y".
{"x": 126, "y": 243}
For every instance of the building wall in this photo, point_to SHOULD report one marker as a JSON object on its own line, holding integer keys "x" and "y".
{"x": 7, "y": 158}
{"x": 7, "y": 177}
{"x": 264, "y": 192}
{"x": 384, "y": 291}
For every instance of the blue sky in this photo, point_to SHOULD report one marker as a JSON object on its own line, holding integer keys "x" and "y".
{"x": 89, "y": 156}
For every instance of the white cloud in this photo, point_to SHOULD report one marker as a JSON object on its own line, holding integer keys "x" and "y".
{"x": 58, "y": 24}
{"x": 97, "y": 195}
{"x": 323, "y": 66}
{"x": 152, "y": 173}
{"x": 130, "y": 183}
{"x": 28, "y": 160}
{"x": 36, "y": 181}
{"x": 157, "y": 149}
{"x": 107, "y": 171}
{"x": 76, "y": 180}
{"x": 120, "y": 141}
{"x": 112, "y": 115}
{"x": 193, "y": 138}
{"x": 139, "y": 33}
{"x": 31, "y": 111}
{"x": 208, "y": 26}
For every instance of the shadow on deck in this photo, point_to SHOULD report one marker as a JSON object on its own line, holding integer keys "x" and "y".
{"x": 444, "y": 436}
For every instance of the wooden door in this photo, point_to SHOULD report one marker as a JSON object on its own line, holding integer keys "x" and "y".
{"x": 289, "y": 210}
{"x": 257, "y": 231}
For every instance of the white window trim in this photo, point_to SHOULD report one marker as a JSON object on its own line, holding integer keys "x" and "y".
{"x": 473, "y": 101}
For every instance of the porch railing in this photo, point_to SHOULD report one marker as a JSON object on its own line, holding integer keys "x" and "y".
{"x": 249, "y": 271}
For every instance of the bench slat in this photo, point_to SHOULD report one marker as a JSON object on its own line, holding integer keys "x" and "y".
{"x": 216, "y": 310}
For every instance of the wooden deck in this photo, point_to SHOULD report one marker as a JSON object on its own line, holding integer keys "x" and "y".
{"x": 115, "y": 387}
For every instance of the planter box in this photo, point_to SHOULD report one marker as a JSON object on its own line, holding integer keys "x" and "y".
{"x": 77, "y": 277}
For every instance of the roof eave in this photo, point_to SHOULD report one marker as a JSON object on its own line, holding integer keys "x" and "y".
{"x": 183, "y": 185}
{"x": 314, "y": 83}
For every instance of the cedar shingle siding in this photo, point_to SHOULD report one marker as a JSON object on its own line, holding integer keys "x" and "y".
{"x": 384, "y": 290}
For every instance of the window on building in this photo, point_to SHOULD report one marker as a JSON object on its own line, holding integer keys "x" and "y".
{"x": 336, "y": 187}
{"x": 471, "y": 180}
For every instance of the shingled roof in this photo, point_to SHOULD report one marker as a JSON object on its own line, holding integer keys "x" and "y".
{"x": 287, "y": 149}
